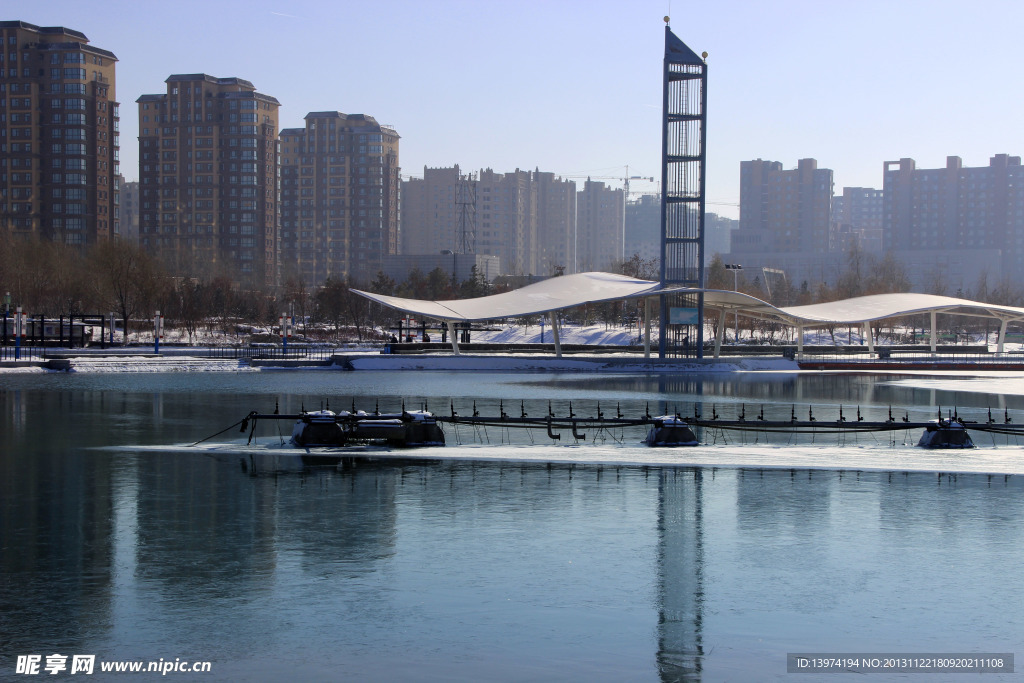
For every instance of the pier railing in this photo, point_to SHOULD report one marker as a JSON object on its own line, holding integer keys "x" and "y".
{"x": 23, "y": 353}
{"x": 273, "y": 352}
{"x": 892, "y": 359}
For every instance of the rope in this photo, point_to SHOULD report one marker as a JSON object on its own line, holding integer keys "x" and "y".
{"x": 220, "y": 432}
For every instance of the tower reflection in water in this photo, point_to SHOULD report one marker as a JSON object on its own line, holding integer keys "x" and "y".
{"x": 680, "y": 575}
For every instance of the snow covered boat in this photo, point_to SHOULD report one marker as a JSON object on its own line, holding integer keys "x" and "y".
{"x": 945, "y": 434}
{"x": 669, "y": 431}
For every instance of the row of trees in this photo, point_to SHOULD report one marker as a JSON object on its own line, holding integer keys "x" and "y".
{"x": 53, "y": 279}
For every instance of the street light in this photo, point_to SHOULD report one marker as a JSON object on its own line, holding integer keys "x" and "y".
{"x": 735, "y": 268}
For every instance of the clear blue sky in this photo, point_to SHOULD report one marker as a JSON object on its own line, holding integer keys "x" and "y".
{"x": 574, "y": 87}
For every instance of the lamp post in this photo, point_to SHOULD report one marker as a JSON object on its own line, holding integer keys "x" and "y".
{"x": 735, "y": 268}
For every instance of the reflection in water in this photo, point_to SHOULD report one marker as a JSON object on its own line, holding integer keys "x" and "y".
{"x": 809, "y": 388}
{"x": 460, "y": 569}
{"x": 55, "y": 527}
{"x": 681, "y": 575}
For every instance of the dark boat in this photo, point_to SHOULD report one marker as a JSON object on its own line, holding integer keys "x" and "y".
{"x": 670, "y": 431}
{"x": 945, "y": 434}
{"x": 408, "y": 429}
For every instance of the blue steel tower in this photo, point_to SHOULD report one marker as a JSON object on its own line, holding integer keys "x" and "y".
{"x": 683, "y": 136}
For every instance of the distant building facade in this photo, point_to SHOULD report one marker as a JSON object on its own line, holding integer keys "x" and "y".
{"x": 556, "y": 223}
{"x": 340, "y": 189}
{"x": 783, "y": 210}
{"x": 208, "y": 173}
{"x": 718, "y": 232}
{"x": 950, "y": 229}
{"x": 130, "y": 209}
{"x": 59, "y": 136}
{"x": 958, "y": 209}
{"x": 600, "y": 227}
{"x": 507, "y": 220}
{"x": 643, "y": 228}
{"x": 429, "y": 211}
{"x": 525, "y": 219}
{"x": 857, "y": 217}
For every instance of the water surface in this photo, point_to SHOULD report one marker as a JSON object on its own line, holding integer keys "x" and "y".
{"x": 484, "y": 567}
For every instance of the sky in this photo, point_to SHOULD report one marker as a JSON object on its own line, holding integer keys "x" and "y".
{"x": 574, "y": 86}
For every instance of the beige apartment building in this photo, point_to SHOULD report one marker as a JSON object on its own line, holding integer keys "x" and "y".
{"x": 430, "y": 215}
{"x": 340, "y": 191}
{"x": 59, "y": 135}
{"x": 507, "y": 220}
{"x": 129, "y": 210}
{"x": 526, "y": 219}
{"x": 556, "y": 228}
{"x": 208, "y": 178}
{"x": 600, "y": 227}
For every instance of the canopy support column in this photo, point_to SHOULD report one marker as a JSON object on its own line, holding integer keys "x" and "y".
{"x": 934, "y": 333}
{"x": 869, "y": 337}
{"x": 554, "y": 333}
{"x": 1002, "y": 335}
{"x": 454, "y": 336}
{"x": 647, "y": 328}
{"x": 799, "y": 342}
{"x": 719, "y": 333}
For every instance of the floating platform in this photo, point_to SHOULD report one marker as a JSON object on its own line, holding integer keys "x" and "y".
{"x": 326, "y": 438}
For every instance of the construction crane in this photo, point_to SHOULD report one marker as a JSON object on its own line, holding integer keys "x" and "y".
{"x": 622, "y": 179}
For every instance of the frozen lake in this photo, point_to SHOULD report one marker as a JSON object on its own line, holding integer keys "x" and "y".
{"x": 504, "y": 560}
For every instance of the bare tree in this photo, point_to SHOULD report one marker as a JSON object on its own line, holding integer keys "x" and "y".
{"x": 640, "y": 268}
{"x": 126, "y": 278}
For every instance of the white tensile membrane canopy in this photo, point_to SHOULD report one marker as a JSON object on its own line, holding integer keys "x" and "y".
{"x": 862, "y": 310}
{"x": 569, "y": 291}
{"x": 859, "y": 309}
{"x": 545, "y": 296}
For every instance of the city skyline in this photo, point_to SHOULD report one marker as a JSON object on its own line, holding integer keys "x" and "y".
{"x": 488, "y": 85}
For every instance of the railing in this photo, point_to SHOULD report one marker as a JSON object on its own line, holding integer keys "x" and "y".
{"x": 273, "y": 352}
{"x": 26, "y": 353}
{"x": 921, "y": 360}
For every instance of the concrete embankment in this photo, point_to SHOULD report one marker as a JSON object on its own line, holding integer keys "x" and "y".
{"x": 577, "y": 363}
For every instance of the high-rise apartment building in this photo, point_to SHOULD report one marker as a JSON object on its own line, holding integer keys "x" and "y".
{"x": 208, "y": 177}
{"x": 340, "y": 195}
{"x": 857, "y": 218}
{"x": 955, "y": 206}
{"x": 526, "y": 219}
{"x": 600, "y": 227}
{"x": 430, "y": 211}
{"x": 643, "y": 228}
{"x": 957, "y": 209}
{"x": 507, "y": 220}
{"x": 130, "y": 211}
{"x": 59, "y": 135}
{"x": 718, "y": 232}
{"x": 781, "y": 210}
{"x": 556, "y": 223}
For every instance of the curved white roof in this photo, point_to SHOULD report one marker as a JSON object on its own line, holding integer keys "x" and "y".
{"x": 575, "y": 290}
{"x": 859, "y": 309}
{"x": 540, "y": 297}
